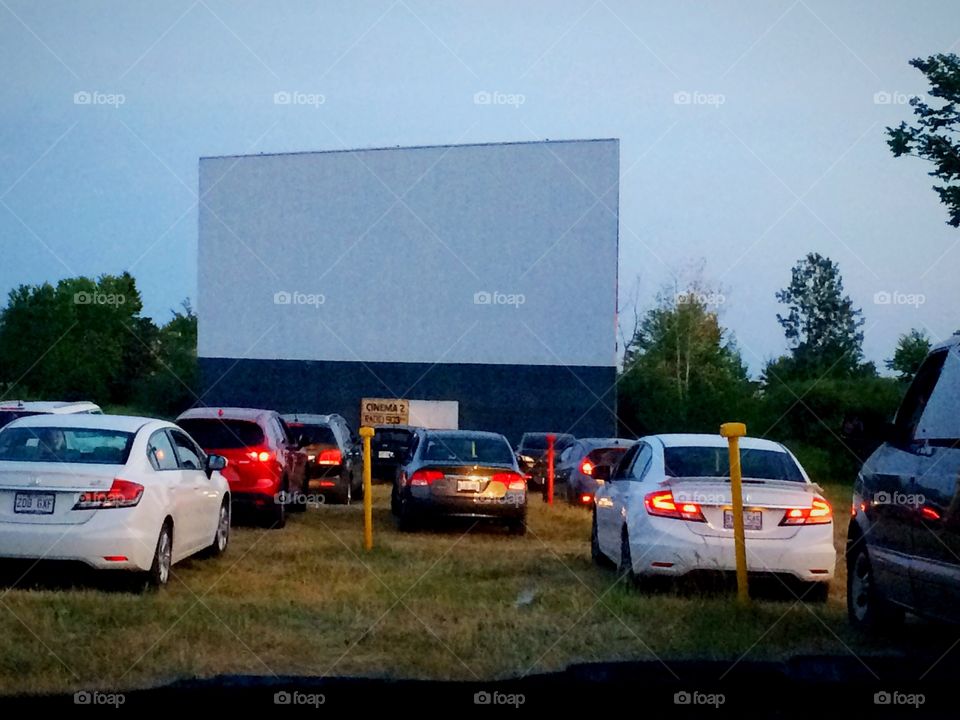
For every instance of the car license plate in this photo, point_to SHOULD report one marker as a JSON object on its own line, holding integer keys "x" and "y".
{"x": 385, "y": 454}
{"x": 34, "y": 503}
{"x": 468, "y": 486}
{"x": 752, "y": 520}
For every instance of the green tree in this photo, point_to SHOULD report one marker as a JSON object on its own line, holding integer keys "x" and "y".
{"x": 934, "y": 137}
{"x": 912, "y": 348}
{"x": 821, "y": 325}
{"x": 682, "y": 372}
{"x": 173, "y": 384}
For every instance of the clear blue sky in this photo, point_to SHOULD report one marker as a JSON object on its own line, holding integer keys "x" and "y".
{"x": 779, "y": 151}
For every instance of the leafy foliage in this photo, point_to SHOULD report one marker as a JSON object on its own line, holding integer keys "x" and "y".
{"x": 912, "y": 348}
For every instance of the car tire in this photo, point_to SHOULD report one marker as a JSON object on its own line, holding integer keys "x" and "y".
{"x": 221, "y": 538}
{"x": 406, "y": 518}
{"x": 394, "y": 501}
{"x": 299, "y": 504}
{"x": 275, "y": 516}
{"x": 816, "y": 592}
{"x": 345, "y": 495}
{"x": 517, "y": 526}
{"x": 625, "y": 569}
{"x": 867, "y": 609}
{"x": 159, "y": 573}
{"x": 596, "y": 554}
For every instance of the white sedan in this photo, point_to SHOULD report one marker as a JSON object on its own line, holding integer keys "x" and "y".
{"x": 114, "y": 492}
{"x": 666, "y": 510}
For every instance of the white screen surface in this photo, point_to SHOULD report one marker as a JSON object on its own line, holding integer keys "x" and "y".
{"x": 459, "y": 254}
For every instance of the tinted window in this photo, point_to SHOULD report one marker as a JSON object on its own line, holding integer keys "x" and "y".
{"x": 914, "y": 402}
{"x": 187, "y": 452}
{"x": 621, "y": 468}
{"x": 644, "y": 456}
{"x": 313, "y": 434}
{"x": 466, "y": 449}
{"x": 8, "y": 416}
{"x": 606, "y": 456}
{"x": 67, "y": 445}
{"x": 715, "y": 462}
{"x": 538, "y": 441}
{"x": 391, "y": 438}
{"x": 214, "y": 434}
{"x": 160, "y": 452}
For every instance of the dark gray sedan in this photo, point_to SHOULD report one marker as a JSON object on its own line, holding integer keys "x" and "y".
{"x": 460, "y": 473}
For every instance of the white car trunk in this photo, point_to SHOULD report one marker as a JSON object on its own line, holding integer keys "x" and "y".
{"x": 43, "y": 481}
{"x": 764, "y": 503}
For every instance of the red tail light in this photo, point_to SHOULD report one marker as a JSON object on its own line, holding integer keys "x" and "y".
{"x": 662, "y": 504}
{"x": 586, "y": 499}
{"x": 819, "y": 513}
{"x": 586, "y": 467}
{"x": 513, "y": 481}
{"x": 122, "y": 493}
{"x": 425, "y": 477}
{"x": 329, "y": 457}
{"x": 260, "y": 455}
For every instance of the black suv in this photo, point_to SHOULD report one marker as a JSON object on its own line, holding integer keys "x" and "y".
{"x": 903, "y": 546}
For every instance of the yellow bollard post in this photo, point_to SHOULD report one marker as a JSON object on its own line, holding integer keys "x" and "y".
{"x": 733, "y": 431}
{"x": 366, "y": 433}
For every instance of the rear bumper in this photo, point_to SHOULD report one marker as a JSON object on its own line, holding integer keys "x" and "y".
{"x": 510, "y": 506}
{"x": 109, "y": 533}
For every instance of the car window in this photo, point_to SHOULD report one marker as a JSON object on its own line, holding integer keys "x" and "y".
{"x": 695, "y": 461}
{"x": 642, "y": 463}
{"x": 65, "y": 445}
{"x": 620, "y": 471}
{"x": 160, "y": 452}
{"x": 915, "y": 401}
{"x": 223, "y": 434}
{"x": 468, "y": 449}
{"x": 190, "y": 455}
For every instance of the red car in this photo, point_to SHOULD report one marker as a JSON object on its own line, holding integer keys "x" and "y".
{"x": 266, "y": 468}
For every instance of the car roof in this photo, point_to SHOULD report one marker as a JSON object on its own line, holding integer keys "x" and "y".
{"x": 308, "y": 418}
{"x": 476, "y": 434}
{"x": 122, "y": 423}
{"x": 711, "y": 440}
{"x": 224, "y": 413}
{"x": 607, "y": 442}
{"x": 953, "y": 341}
{"x": 48, "y": 406}
{"x": 545, "y": 433}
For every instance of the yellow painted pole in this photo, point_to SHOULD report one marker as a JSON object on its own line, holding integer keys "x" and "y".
{"x": 733, "y": 432}
{"x": 366, "y": 433}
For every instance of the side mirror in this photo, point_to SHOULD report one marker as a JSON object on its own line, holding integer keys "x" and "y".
{"x": 601, "y": 473}
{"x": 215, "y": 463}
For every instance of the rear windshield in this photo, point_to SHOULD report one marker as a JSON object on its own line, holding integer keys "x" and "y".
{"x": 465, "y": 449}
{"x": 8, "y": 416}
{"x": 65, "y": 445}
{"x": 313, "y": 434}
{"x": 606, "y": 456}
{"x": 216, "y": 434}
{"x": 392, "y": 438}
{"x": 538, "y": 441}
{"x": 715, "y": 462}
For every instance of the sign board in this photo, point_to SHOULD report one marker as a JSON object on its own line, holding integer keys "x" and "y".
{"x": 384, "y": 411}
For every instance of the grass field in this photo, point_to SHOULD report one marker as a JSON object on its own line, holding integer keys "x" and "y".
{"x": 460, "y": 602}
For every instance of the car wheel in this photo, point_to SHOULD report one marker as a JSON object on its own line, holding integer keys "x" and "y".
{"x": 345, "y": 496}
{"x": 394, "y": 501}
{"x": 517, "y": 526}
{"x": 406, "y": 519}
{"x": 596, "y": 553}
{"x": 159, "y": 574}
{"x": 866, "y": 607}
{"x": 299, "y": 504}
{"x": 816, "y": 592}
{"x": 626, "y": 560}
{"x": 222, "y": 536}
{"x": 275, "y": 516}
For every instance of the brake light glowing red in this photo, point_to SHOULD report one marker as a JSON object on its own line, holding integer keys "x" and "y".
{"x": 662, "y": 504}
{"x": 425, "y": 477}
{"x": 586, "y": 467}
{"x": 122, "y": 493}
{"x": 513, "y": 481}
{"x": 586, "y": 499}
{"x": 261, "y": 455}
{"x": 819, "y": 513}
{"x": 329, "y": 457}
{"x": 929, "y": 513}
